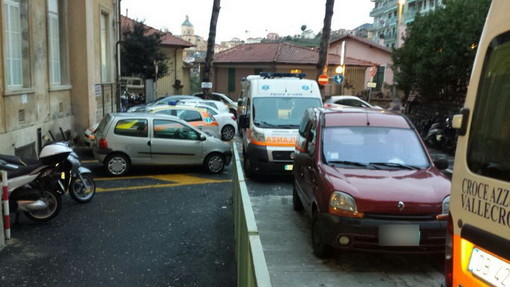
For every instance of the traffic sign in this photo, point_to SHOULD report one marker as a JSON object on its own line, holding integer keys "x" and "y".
{"x": 206, "y": 85}
{"x": 371, "y": 84}
{"x": 323, "y": 79}
{"x": 339, "y": 79}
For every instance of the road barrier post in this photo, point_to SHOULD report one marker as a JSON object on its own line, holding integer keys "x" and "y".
{"x": 5, "y": 202}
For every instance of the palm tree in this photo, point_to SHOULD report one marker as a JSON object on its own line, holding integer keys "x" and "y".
{"x": 322, "y": 67}
{"x": 210, "y": 46}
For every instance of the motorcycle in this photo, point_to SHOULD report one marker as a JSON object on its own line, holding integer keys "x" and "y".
{"x": 71, "y": 176}
{"x": 75, "y": 178}
{"x": 30, "y": 185}
{"x": 442, "y": 135}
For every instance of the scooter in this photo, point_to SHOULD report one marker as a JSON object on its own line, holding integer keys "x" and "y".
{"x": 442, "y": 135}
{"x": 31, "y": 187}
{"x": 73, "y": 177}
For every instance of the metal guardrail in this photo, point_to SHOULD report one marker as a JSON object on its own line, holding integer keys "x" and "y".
{"x": 251, "y": 262}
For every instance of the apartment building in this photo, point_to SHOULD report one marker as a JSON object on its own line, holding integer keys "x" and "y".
{"x": 388, "y": 14}
{"x": 58, "y": 69}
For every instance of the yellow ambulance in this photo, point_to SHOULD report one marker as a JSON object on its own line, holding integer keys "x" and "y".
{"x": 478, "y": 241}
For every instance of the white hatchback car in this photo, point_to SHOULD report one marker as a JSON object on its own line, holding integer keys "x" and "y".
{"x": 226, "y": 121}
{"x": 351, "y": 101}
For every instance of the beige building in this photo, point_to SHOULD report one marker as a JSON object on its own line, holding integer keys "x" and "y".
{"x": 177, "y": 81}
{"x": 58, "y": 69}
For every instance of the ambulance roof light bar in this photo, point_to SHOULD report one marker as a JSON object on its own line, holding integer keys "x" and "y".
{"x": 267, "y": 75}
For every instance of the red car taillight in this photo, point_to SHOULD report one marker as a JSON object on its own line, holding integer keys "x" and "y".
{"x": 103, "y": 144}
{"x": 448, "y": 272}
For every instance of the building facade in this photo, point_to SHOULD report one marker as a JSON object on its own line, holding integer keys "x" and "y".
{"x": 392, "y": 16}
{"x": 177, "y": 80}
{"x": 58, "y": 69}
{"x": 361, "y": 48}
{"x": 231, "y": 66}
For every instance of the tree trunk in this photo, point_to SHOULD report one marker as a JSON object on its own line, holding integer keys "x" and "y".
{"x": 210, "y": 47}
{"x": 322, "y": 65}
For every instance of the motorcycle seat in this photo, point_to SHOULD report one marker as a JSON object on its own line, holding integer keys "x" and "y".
{"x": 18, "y": 161}
{"x": 15, "y": 169}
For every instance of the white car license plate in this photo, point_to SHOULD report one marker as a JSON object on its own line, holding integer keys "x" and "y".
{"x": 489, "y": 268}
{"x": 288, "y": 167}
{"x": 399, "y": 235}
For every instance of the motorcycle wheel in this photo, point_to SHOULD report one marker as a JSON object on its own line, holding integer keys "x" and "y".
{"x": 82, "y": 191}
{"x": 54, "y": 201}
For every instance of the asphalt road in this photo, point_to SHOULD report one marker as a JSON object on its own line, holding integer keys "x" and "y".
{"x": 150, "y": 229}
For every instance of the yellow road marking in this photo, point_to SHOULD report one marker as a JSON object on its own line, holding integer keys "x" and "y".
{"x": 176, "y": 179}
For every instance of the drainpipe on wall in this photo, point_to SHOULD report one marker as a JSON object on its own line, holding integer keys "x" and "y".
{"x": 117, "y": 58}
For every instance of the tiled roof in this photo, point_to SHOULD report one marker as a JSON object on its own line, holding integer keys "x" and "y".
{"x": 167, "y": 39}
{"x": 362, "y": 40}
{"x": 357, "y": 62}
{"x": 279, "y": 53}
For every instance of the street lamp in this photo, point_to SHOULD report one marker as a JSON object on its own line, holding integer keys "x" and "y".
{"x": 400, "y": 8}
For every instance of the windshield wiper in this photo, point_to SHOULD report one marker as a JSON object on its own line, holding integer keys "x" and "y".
{"x": 346, "y": 162}
{"x": 264, "y": 124}
{"x": 394, "y": 164}
{"x": 287, "y": 126}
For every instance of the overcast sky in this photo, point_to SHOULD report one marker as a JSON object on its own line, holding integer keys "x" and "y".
{"x": 248, "y": 18}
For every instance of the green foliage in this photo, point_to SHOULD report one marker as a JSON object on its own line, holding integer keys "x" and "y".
{"x": 140, "y": 51}
{"x": 439, "y": 49}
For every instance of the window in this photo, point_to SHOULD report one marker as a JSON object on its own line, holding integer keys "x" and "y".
{"x": 131, "y": 127}
{"x": 168, "y": 129}
{"x": 489, "y": 140}
{"x": 16, "y": 46}
{"x": 189, "y": 115}
{"x": 105, "y": 70}
{"x": 57, "y": 55}
{"x": 379, "y": 77}
{"x": 231, "y": 80}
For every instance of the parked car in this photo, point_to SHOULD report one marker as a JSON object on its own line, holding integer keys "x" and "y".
{"x": 198, "y": 118}
{"x": 226, "y": 121}
{"x": 219, "y": 106}
{"x": 351, "y": 101}
{"x": 232, "y": 105}
{"x": 367, "y": 182}
{"x": 165, "y": 100}
{"x": 123, "y": 140}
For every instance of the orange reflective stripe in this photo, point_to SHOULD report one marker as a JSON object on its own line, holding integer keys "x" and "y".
{"x": 462, "y": 250}
{"x": 278, "y": 142}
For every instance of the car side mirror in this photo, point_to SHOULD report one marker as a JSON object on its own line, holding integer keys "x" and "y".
{"x": 460, "y": 121}
{"x": 441, "y": 163}
{"x": 202, "y": 137}
{"x": 244, "y": 121}
{"x": 240, "y": 101}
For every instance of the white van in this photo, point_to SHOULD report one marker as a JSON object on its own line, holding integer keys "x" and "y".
{"x": 273, "y": 107}
{"x": 478, "y": 240}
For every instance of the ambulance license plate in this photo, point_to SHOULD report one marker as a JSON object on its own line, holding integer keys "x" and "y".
{"x": 489, "y": 268}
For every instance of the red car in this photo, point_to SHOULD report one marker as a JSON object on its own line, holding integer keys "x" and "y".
{"x": 367, "y": 182}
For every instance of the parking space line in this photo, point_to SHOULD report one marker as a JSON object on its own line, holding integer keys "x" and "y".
{"x": 175, "y": 179}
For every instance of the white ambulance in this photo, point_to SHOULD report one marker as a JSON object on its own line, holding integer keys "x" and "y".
{"x": 478, "y": 240}
{"x": 274, "y": 104}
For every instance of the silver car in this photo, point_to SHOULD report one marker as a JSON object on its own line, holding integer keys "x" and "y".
{"x": 125, "y": 139}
